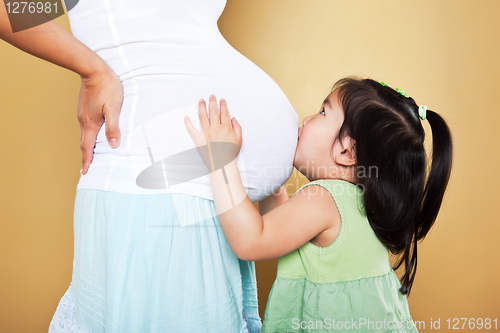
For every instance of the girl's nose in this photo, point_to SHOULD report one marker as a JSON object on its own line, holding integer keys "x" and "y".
{"x": 305, "y": 120}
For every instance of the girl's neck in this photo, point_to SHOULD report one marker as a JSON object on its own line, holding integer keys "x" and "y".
{"x": 339, "y": 172}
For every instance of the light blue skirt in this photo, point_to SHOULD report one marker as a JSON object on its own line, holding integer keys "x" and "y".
{"x": 154, "y": 263}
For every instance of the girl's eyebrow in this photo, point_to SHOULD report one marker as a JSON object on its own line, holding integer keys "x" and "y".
{"x": 327, "y": 102}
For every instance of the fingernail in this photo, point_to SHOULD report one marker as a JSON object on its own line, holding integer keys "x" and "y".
{"x": 222, "y": 99}
{"x": 113, "y": 142}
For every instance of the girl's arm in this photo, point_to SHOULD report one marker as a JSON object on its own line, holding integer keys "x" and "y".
{"x": 273, "y": 201}
{"x": 250, "y": 235}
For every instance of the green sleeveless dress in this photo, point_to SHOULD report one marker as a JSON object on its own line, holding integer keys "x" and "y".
{"x": 347, "y": 286}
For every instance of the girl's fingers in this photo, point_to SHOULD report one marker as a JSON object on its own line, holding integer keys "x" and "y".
{"x": 213, "y": 111}
{"x": 190, "y": 128}
{"x": 197, "y": 137}
{"x": 224, "y": 112}
{"x": 237, "y": 131}
{"x": 212, "y": 127}
{"x": 202, "y": 113}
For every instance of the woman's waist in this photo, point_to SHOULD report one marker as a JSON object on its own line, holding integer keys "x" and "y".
{"x": 122, "y": 176}
{"x": 189, "y": 175}
{"x": 185, "y": 165}
{"x": 145, "y": 156}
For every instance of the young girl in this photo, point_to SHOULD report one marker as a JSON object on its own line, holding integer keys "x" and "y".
{"x": 364, "y": 149}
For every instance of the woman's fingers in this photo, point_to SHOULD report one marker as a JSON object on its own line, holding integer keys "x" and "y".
{"x": 111, "y": 114}
{"x": 100, "y": 101}
{"x": 87, "y": 147}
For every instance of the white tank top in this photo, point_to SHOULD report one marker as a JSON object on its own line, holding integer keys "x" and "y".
{"x": 170, "y": 54}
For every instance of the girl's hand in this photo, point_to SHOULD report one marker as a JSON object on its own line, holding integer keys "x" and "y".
{"x": 100, "y": 100}
{"x": 219, "y": 128}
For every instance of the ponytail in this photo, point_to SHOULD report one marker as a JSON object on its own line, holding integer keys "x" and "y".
{"x": 439, "y": 174}
{"x": 432, "y": 195}
{"x": 402, "y": 201}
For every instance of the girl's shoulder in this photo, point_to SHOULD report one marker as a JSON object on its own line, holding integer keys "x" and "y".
{"x": 329, "y": 182}
{"x": 337, "y": 187}
{"x": 338, "y": 199}
{"x": 355, "y": 241}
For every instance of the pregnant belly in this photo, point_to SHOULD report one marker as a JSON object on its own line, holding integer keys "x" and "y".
{"x": 152, "y": 127}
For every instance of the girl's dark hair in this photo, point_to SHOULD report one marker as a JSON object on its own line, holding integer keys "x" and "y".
{"x": 402, "y": 200}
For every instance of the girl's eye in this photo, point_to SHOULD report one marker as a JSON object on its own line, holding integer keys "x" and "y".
{"x": 322, "y": 111}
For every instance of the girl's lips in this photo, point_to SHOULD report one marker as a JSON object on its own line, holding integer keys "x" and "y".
{"x": 300, "y": 131}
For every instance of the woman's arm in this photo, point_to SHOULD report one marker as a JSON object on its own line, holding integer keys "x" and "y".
{"x": 274, "y": 200}
{"x": 250, "y": 235}
{"x": 101, "y": 92}
{"x": 50, "y": 42}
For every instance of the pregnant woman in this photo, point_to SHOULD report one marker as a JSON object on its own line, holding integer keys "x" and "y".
{"x": 149, "y": 254}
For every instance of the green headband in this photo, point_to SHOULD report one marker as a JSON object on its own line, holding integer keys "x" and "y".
{"x": 422, "y": 109}
{"x": 397, "y": 89}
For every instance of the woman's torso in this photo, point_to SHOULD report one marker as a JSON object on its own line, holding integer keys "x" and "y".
{"x": 169, "y": 54}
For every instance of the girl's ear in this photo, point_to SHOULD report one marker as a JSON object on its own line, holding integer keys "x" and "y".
{"x": 347, "y": 156}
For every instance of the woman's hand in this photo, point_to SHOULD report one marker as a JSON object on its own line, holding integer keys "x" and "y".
{"x": 219, "y": 128}
{"x": 100, "y": 100}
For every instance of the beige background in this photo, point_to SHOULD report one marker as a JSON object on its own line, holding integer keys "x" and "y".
{"x": 443, "y": 53}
